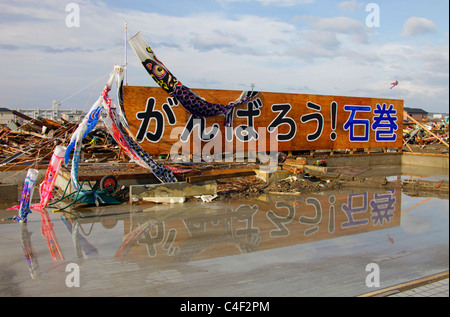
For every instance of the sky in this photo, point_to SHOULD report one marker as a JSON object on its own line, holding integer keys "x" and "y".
{"x": 64, "y": 50}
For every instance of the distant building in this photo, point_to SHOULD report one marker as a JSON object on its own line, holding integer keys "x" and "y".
{"x": 437, "y": 116}
{"x": 417, "y": 113}
{"x": 6, "y": 116}
{"x": 55, "y": 113}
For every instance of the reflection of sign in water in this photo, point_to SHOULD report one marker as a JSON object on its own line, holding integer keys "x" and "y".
{"x": 259, "y": 226}
{"x": 300, "y": 122}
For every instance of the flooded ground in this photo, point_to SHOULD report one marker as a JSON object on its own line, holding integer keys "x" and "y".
{"x": 311, "y": 244}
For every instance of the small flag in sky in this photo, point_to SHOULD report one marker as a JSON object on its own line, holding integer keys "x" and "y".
{"x": 394, "y": 84}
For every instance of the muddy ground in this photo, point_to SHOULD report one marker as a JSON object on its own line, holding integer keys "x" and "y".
{"x": 251, "y": 186}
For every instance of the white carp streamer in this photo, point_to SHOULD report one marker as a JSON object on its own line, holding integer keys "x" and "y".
{"x": 117, "y": 125}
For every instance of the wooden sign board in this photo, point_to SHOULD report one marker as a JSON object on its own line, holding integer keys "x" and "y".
{"x": 271, "y": 122}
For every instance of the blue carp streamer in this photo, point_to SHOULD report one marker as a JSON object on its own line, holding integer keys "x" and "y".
{"x": 86, "y": 125}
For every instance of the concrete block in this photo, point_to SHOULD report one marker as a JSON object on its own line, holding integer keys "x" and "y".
{"x": 275, "y": 176}
{"x": 9, "y": 193}
{"x": 164, "y": 200}
{"x": 315, "y": 170}
{"x": 424, "y": 160}
{"x": 171, "y": 192}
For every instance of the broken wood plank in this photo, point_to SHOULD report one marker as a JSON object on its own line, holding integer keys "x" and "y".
{"x": 221, "y": 175}
{"x": 51, "y": 124}
{"x": 425, "y": 128}
{"x": 12, "y": 157}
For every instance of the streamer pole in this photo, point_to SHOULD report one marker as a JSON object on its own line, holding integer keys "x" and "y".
{"x": 126, "y": 57}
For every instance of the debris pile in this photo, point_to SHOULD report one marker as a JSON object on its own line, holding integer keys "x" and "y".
{"x": 33, "y": 141}
{"x": 420, "y": 187}
{"x": 426, "y": 135}
{"x": 248, "y": 186}
{"x": 300, "y": 184}
{"x": 295, "y": 184}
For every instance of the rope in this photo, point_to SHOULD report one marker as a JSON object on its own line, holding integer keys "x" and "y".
{"x": 85, "y": 87}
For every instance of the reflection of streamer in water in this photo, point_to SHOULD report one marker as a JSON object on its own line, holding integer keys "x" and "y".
{"x": 391, "y": 240}
{"x": 130, "y": 239}
{"x": 49, "y": 234}
{"x": 30, "y": 255}
{"x": 82, "y": 245}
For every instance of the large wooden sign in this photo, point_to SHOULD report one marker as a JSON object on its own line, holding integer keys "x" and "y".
{"x": 271, "y": 122}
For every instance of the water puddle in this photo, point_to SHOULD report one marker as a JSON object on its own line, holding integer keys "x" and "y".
{"x": 274, "y": 245}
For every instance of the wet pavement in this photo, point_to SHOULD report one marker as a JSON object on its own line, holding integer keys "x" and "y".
{"x": 343, "y": 243}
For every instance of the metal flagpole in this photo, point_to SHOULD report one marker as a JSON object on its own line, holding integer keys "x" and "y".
{"x": 126, "y": 58}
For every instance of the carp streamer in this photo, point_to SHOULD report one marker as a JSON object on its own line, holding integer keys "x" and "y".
{"x": 117, "y": 125}
{"x": 193, "y": 103}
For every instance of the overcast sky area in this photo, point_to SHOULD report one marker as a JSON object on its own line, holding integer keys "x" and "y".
{"x": 290, "y": 46}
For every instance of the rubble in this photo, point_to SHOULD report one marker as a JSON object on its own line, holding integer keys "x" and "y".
{"x": 33, "y": 142}
{"x": 428, "y": 136}
{"x": 420, "y": 187}
{"x": 232, "y": 188}
{"x": 22, "y": 145}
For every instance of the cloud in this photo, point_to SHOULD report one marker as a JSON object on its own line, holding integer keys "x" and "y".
{"x": 416, "y": 224}
{"x": 214, "y": 32}
{"x": 342, "y": 25}
{"x": 329, "y": 37}
{"x": 418, "y": 26}
{"x": 224, "y": 43}
{"x": 209, "y": 49}
{"x": 278, "y": 3}
{"x": 53, "y": 61}
{"x": 45, "y": 49}
{"x": 216, "y": 40}
{"x": 350, "y": 6}
{"x": 230, "y": 42}
{"x": 285, "y": 3}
